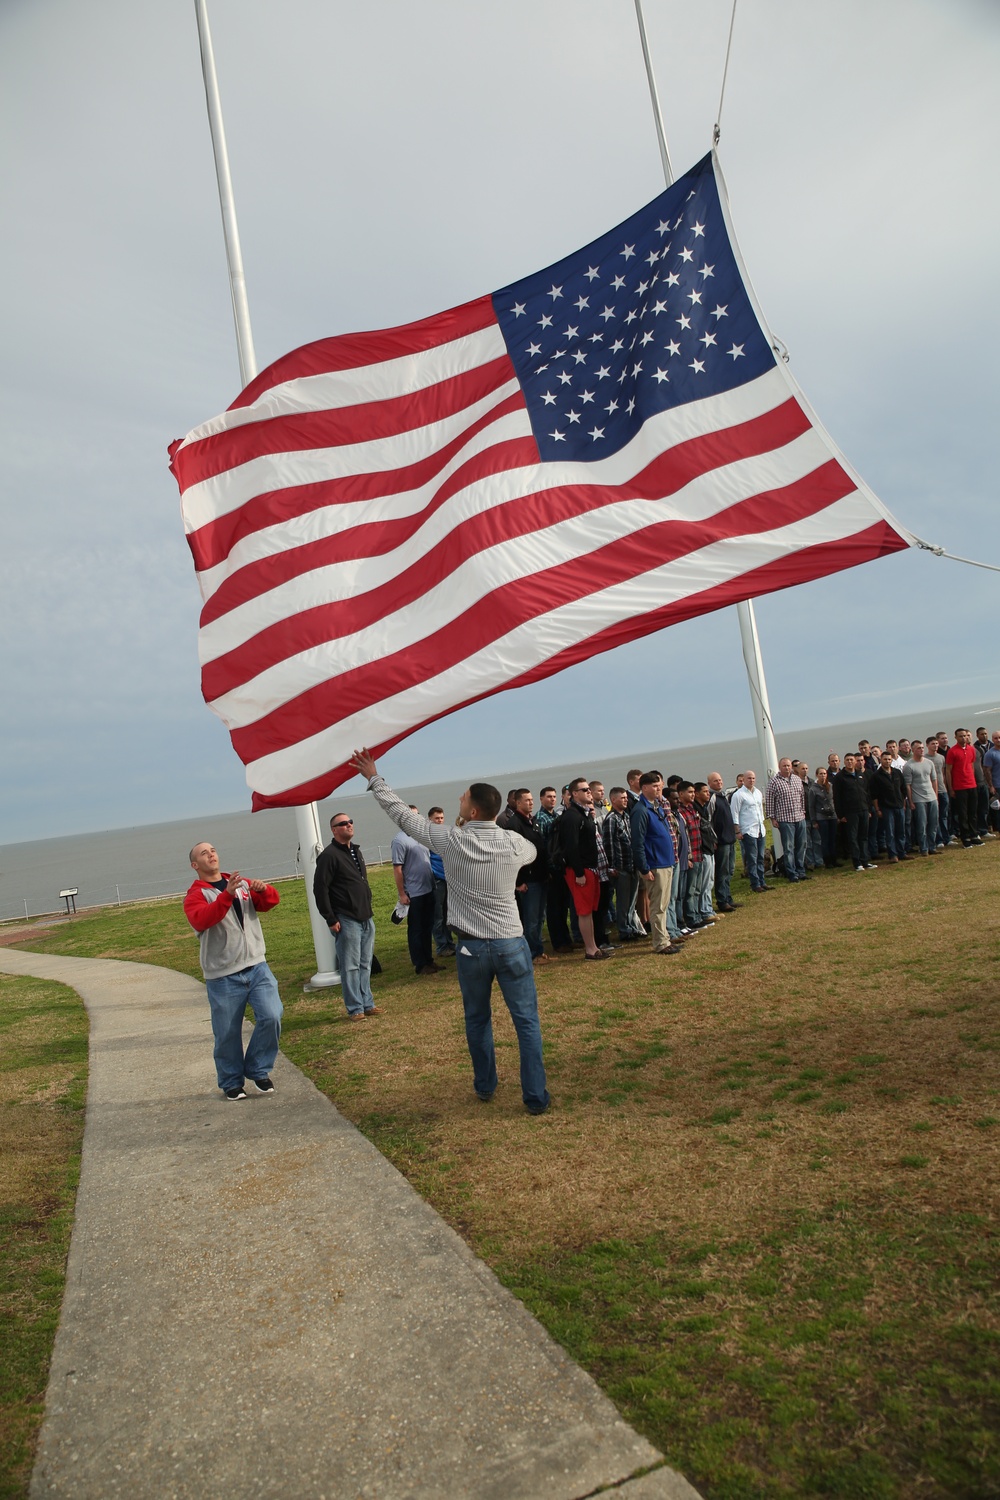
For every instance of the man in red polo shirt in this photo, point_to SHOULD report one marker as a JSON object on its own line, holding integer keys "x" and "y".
{"x": 959, "y": 769}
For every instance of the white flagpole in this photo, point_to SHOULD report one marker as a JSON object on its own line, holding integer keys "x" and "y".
{"x": 745, "y": 611}
{"x": 307, "y": 817}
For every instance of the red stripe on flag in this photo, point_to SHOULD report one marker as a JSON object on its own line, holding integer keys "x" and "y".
{"x": 366, "y": 422}
{"x": 514, "y": 603}
{"x": 819, "y": 561}
{"x": 665, "y": 475}
{"x": 349, "y": 351}
{"x": 212, "y": 543}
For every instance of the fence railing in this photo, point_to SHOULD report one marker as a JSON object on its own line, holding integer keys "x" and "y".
{"x": 102, "y": 893}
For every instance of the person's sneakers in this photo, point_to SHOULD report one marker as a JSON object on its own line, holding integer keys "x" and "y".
{"x": 870, "y": 866}
{"x": 860, "y": 869}
{"x": 485, "y": 1098}
{"x": 263, "y": 1085}
{"x": 607, "y": 947}
{"x": 595, "y": 956}
{"x": 429, "y": 969}
{"x": 448, "y": 952}
{"x": 234, "y": 1094}
{"x": 538, "y": 1109}
{"x": 355, "y": 1015}
{"x": 374, "y": 1010}
{"x": 977, "y": 843}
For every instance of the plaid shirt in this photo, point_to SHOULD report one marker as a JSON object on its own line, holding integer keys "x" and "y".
{"x": 692, "y": 821}
{"x": 617, "y": 834}
{"x": 785, "y": 800}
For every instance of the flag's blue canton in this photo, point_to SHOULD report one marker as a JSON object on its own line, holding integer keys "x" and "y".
{"x": 648, "y": 317}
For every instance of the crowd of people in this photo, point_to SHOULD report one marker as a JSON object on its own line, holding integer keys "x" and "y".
{"x": 657, "y": 855}
{"x": 653, "y": 858}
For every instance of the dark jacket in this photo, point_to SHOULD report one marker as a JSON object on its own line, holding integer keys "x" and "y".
{"x": 577, "y": 832}
{"x": 340, "y": 886}
{"x": 887, "y": 788}
{"x": 849, "y": 794}
{"x": 722, "y": 819}
{"x": 708, "y": 837}
{"x": 819, "y": 802}
{"x": 538, "y": 870}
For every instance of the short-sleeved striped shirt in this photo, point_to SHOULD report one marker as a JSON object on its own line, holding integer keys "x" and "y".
{"x": 480, "y": 860}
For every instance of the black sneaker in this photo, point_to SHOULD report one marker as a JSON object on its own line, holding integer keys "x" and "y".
{"x": 484, "y": 1098}
{"x": 234, "y": 1093}
{"x": 263, "y": 1085}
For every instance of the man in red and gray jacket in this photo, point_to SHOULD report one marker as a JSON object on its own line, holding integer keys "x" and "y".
{"x": 223, "y": 909}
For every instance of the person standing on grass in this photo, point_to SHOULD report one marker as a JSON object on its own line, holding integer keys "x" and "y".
{"x": 920, "y": 780}
{"x": 344, "y": 901}
{"x": 747, "y": 806}
{"x": 654, "y": 856}
{"x": 411, "y": 868}
{"x": 959, "y": 768}
{"x": 443, "y": 941}
{"x": 785, "y": 803}
{"x": 481, "y": 864}
{"x": 850, "y": 800}
{"x": 888, "y": 794}
{"x": 532, "y": 885}
{"x": 725, "y": 838}
{"x": 578, "y": 835}
{"x": 223, "y": 910}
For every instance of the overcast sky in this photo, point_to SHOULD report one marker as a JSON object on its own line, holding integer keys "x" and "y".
{"x": 393, "y": 159}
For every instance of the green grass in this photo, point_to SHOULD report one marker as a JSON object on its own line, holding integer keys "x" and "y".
{"x": 725, "y": 1217}
{"x": 43, "y": 1037}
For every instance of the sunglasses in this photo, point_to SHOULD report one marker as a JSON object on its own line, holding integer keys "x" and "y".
{"x": 347, "y": 823}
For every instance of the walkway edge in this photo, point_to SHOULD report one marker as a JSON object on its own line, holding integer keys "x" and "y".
{"x": 256, "y": 1297}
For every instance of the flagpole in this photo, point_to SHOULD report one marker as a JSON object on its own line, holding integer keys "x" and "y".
{"x": 745, "y": 612}
{"x": 307, "y": 817}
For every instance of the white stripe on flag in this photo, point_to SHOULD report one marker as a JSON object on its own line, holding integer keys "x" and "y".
{"x": 541, "y": 638}
{"x": 375, "y": 382}
{"x": 474, "y": 579}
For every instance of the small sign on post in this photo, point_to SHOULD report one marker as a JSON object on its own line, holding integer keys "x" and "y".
{"x": 69, "y": 897}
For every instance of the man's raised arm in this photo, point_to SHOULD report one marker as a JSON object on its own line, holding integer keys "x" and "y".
{"x": 431, "y": 835}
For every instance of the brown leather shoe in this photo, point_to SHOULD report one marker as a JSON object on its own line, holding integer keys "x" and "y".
{"x": 375, "y": 1010}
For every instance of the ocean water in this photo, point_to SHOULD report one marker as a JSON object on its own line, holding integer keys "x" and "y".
{"x": 130, "y": 864}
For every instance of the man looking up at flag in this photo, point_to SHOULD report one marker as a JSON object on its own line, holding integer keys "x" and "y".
{"x": 223, "y": 909}
{"x": 481, "y": 863}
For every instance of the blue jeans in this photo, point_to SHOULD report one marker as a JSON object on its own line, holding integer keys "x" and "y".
{"x": 228, "y": 999}
{"x": 442, "y": 932}
{"x": 925, "y": 825}
{"x": 894, "y": 828}
{"x": 531, "y": 909}
{"x": 355, "y": 944}
{"x": 793, "y": 848}
{"x": 753, "y": 859}
{"x": 508, "y": 960}
{"x": 944, "y": 818}
{"x": 725, "y": 864}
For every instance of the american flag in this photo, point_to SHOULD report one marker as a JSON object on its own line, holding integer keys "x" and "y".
{"x": 388, "y": 526}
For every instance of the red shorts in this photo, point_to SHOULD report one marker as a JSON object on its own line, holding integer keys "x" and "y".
{"x": 586, "y": 898}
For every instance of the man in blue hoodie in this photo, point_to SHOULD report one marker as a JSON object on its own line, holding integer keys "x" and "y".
{"x": 653, "y": 851}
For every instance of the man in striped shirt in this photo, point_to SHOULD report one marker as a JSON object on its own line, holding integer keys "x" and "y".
{"x": 481, "y": 862}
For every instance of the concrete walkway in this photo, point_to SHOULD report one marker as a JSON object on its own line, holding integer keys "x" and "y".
{"x": 258, "y": 1303}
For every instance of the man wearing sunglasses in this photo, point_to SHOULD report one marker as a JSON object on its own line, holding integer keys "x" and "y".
{"x": 344, "y": 900}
